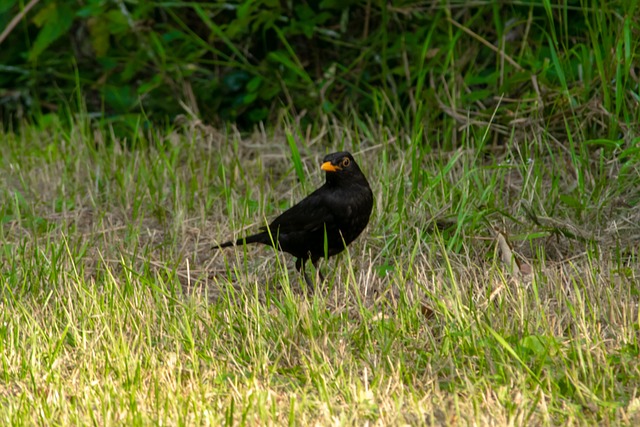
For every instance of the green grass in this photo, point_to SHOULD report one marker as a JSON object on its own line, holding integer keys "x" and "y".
{"x": 115, "y": 309}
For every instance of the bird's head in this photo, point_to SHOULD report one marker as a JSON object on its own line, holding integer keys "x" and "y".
{"x": 340, "y": 167}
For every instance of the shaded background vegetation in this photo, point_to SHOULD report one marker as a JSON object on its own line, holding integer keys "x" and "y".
{"x": 410, "y": 63}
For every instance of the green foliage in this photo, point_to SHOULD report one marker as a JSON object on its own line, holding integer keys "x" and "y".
{"x": 402, "y": 62}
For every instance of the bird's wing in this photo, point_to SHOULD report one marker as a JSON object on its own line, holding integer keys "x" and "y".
{"x": 310, "y": 214}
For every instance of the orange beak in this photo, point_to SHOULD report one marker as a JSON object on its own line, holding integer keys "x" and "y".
{"x": 327, "y": 166}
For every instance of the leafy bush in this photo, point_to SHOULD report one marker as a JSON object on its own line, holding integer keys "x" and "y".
{"x": 243, "y": 61}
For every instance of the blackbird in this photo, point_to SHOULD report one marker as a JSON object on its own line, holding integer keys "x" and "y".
{"x": 326, "y": 221}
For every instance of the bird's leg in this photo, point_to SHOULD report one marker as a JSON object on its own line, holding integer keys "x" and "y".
{"x": 300, "y": 267}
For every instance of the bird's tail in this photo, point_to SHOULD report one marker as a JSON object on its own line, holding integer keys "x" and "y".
{"x": 255, "y": 238}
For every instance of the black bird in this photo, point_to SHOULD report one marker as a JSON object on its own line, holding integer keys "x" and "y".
{"x": 326, "y": 221}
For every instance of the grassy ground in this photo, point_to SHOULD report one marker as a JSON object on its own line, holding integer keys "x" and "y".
{"x": 522, "y": 308}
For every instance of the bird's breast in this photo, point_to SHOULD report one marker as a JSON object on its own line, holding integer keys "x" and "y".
{"x": 353, "y": 212}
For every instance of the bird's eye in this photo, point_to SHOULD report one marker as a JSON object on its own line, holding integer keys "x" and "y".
{"x": 346, "y": 162}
